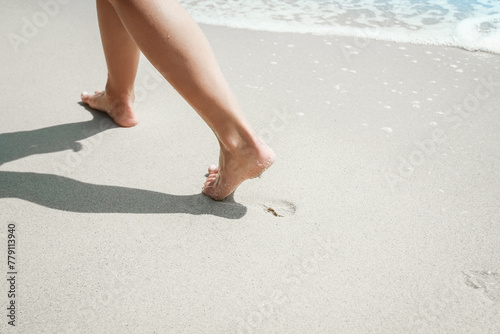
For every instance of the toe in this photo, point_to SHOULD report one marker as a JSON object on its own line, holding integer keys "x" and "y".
{"x": 85, "y": 96}
{"x": 210, "y": 180}
{"x": 210, "y": 192}
{"x": 213, "y": 169}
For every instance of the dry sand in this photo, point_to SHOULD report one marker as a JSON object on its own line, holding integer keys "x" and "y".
{"x": 386, "y": 193}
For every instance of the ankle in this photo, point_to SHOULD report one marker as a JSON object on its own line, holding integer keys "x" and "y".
{"x": 119, "y": 95}
{"x": 251, "y": 146}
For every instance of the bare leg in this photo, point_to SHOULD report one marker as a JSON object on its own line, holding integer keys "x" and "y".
{"x": 122, "y": 59}
{"x": 176, "y": 46}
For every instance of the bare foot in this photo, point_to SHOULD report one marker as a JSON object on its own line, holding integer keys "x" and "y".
{"x": 121, "y": 110}
{"x": 236, "y": 167}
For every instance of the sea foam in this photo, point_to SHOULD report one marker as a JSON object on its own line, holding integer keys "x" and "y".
{"x": 469, "y": 24}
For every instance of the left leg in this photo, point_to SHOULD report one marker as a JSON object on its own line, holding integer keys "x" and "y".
{"x": 122, "y": 59}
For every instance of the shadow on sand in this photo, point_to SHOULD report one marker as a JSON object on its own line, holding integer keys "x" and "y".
{"x": 18, "y": 145}
{"x": 62, "y": 193}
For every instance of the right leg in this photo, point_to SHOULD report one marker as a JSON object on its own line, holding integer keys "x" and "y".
{"x": 122, "y": 59}
{"x": 176, "y": 46}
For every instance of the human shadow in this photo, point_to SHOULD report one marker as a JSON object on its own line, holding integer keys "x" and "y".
{"x": 63, "y": 193}
{"x": 21, "y": 144}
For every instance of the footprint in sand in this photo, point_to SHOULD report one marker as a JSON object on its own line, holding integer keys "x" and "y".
{"x": 487, "y": 281}
{"x": 279, "y": 208}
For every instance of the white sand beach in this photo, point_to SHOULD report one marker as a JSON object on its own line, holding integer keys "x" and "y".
{"x": 380, "y": 215}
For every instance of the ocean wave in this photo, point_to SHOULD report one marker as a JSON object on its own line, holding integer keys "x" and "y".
{"x": 469, "y": 24}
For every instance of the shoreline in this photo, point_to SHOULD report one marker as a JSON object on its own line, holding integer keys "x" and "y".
{"x": 368, "y": 33}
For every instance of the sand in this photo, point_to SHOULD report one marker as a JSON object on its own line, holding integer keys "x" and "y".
{"x": 381, "y": 214}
